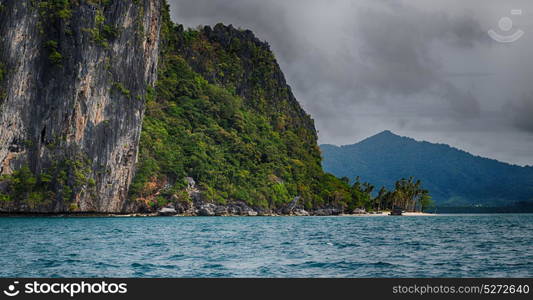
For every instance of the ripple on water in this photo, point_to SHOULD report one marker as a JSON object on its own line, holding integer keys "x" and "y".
{"x": 176, "y": 257}
{"x": 148, "y": 267}
{"x": 50, "y": 263}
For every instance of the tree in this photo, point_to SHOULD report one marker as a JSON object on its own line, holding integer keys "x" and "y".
{"x": 362, "y": 194}
{"x": 426, "y": 202}
{"x": 410, "y": 195}
{"x": 380, "y": 200}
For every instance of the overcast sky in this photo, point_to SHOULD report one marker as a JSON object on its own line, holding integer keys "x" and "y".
{"x": 427, "y": 69}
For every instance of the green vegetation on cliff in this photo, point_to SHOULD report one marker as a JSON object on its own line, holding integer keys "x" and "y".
{"x": 223, "y": 114}
{"x": 63, "y": 180}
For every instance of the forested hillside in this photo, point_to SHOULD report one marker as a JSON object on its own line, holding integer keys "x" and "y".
{"x": 453, "y": 177}
{"x": 223, "y": 115}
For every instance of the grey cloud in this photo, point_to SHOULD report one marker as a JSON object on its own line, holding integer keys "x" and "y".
{"x": 267, "y": 18}
{"x": 397, "y": 51}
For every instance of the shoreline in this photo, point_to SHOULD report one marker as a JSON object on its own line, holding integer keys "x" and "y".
{"x": 387, "y": 213}
{"x": 144, "y": 215}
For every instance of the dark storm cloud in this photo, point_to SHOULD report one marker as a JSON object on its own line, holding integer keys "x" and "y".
{"x": 397, "y": 51}
{"x": 420, "y": 68}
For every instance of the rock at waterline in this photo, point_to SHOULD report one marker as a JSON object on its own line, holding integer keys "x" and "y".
{"x": 359, "y": 211}
{"x": 207, "y": 210}
{"x": 300, "y": 212}
{"x": 167, "y": 211}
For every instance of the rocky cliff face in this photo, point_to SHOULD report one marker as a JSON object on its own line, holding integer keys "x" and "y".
{"x": 74, "y": 76}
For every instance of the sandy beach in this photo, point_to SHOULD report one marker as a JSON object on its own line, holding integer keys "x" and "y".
{"x": 418, "y": 214}
{"x": 387, "y": 213}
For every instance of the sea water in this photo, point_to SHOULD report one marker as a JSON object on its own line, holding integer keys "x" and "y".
{"x": 421, "y": 246}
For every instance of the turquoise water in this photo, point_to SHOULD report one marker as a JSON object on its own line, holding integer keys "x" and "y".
{"x": 439, "y": 246}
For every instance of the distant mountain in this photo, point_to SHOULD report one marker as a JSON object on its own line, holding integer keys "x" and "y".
{"x": 453, "y": 177}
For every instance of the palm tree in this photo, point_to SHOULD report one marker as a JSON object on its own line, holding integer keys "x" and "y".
{"x": 410, "y": 195}
{"x": 380, "y": 199}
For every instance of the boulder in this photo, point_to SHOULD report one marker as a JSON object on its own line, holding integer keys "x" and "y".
{"x": 329, "y": 211}
{"x": 247, "y": 210}
{"x": 184, "y": 208}
{"x": 251, "y": 213}
{"x": 207, "y": 209}
{"x": 234, "y": 210}
{"x": 240, "y": 208}
{"x": 300, "y": 212}
{"x": 322, "y": 212}
{"x": 221, "y": 211}
{"x": 167, "y": 211}
{"x": 261, "y": 211}
{"x": 359, "y": 211}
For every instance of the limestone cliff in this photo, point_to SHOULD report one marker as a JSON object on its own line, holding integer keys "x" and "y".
{"x": 74, "y": 76}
